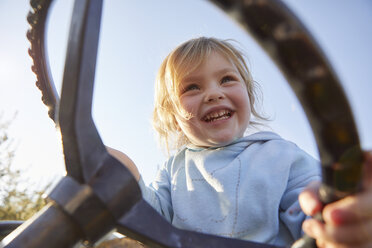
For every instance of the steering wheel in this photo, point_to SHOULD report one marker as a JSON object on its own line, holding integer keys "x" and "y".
{"x": 99, "y": 193}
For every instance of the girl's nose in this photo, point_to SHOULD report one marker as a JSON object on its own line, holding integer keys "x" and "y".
{"x": 214, "y": 94}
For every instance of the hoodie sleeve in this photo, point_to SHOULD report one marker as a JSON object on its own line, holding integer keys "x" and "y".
{"x": 157, "y": 194}
{"x": 304, "y": 170}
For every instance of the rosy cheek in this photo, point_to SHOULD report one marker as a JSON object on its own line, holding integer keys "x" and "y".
{"x": 186, "y": 108}
{"x": 243, "y": 100}
{"x": 189, "y": 104}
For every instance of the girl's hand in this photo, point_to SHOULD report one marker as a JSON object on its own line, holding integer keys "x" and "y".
{"x": 347, "y": 222}
{"x": 125, "y": 160}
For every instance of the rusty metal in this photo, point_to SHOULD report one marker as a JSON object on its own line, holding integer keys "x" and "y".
{"x": 99, "y": 193}
{"x": 37, "y": 18}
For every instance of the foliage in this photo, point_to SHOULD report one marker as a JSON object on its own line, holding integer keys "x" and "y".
{"x": 17, "y": 202}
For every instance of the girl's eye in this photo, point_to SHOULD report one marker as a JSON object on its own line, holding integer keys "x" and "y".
{"x": 227, "y": 79}
{"x": 191, "y": 87}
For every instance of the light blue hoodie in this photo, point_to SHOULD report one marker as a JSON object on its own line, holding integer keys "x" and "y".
{"x": 245, "y": 190}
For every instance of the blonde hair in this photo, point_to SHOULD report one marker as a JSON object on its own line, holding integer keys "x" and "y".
{"x": 183, "y": 60}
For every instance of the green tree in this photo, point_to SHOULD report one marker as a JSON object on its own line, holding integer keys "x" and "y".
{"x": 17, "y": 202}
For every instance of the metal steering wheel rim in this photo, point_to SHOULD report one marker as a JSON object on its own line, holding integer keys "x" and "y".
{"x": 301, "y": 60}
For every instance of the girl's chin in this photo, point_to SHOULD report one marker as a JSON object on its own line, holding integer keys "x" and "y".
{"x": 223, "y": 141}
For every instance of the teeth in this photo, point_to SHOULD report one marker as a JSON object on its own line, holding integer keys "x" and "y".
{"x": 218, "y": 115}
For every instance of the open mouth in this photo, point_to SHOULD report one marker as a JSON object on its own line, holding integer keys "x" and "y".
{"x": 218, "y": 115}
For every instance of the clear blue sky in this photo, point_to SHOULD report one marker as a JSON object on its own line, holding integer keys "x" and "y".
{"x": 135, "y": 37}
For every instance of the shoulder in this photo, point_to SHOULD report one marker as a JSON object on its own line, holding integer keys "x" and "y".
{"x": 266, "y": 137}
{"x": 274, "y": 148}
{"x": 271, "y": 140}
{"x": 174, "y": 162}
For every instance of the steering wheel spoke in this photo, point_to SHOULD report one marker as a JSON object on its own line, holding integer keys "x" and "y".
{"x": 99, "y": 193}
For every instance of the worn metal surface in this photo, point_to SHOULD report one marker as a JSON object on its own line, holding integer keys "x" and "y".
{"x": 7, "y": 226}
{"x": 99, "y": 193}
{"x": 37, "y": 18}
{"x": 50, "y": 227}
{"x": 98, "y": 189}
{"x": 144, "y": 224}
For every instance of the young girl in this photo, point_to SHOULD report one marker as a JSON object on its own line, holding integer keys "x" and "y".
{"x": 222, "y": 182}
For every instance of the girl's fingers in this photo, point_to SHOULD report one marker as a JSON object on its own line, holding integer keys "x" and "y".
{"x": 314, "y": 229}
{"x": 353, "y": 208}
{"x": 348, "y": 222}
{"x": 350, "y": 209}
{"x": 311, "y": 204}
{"x": 354, "y": 235}
{"x": 309, "y": 200}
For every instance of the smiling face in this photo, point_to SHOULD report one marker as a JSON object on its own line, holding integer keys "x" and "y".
{"x": 215, "y": 101}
